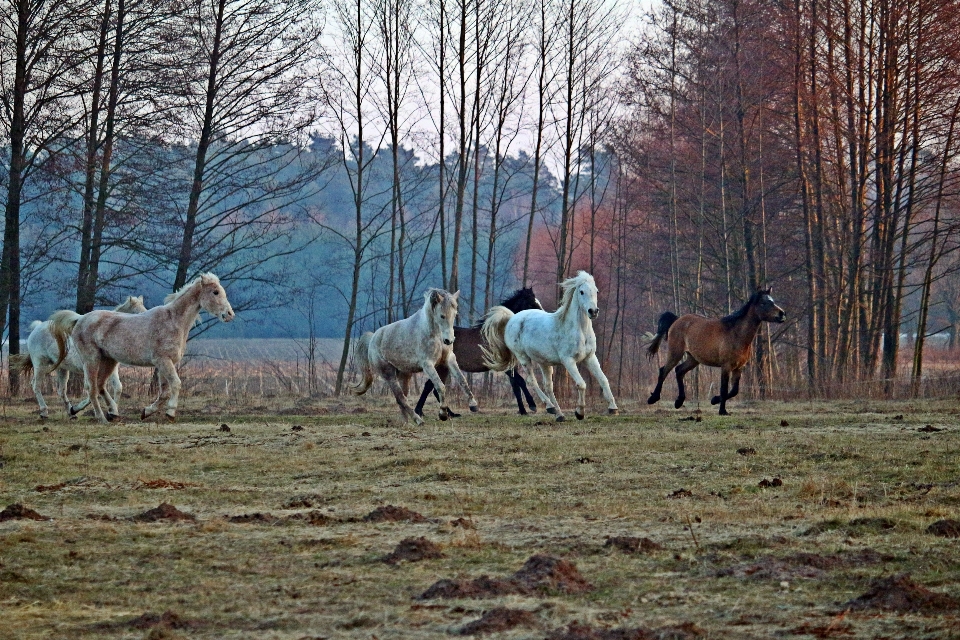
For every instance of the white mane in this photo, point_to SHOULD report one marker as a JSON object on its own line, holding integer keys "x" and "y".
{"x": 569, "y": 286}
{"x": 202, "y": 278}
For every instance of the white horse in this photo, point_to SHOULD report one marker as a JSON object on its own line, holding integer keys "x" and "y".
{"x": 154, "y": 338}
{"x": 564, "y": 337}
{"x": 43, "y": 352}
{"x": 408, "y": 346}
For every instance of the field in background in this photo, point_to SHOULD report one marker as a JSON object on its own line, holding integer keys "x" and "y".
{"x": 765, "y": 524}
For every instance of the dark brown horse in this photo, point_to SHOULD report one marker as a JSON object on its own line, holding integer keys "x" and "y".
{"x": 466, "y": 347}
{"x": 726, "y": 343}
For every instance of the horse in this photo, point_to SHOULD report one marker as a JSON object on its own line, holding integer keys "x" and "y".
{"x": 421, "y": 342}
{"x": 467, "y": 349}
{"x": 155, "y": 338}
{"x": 725, "y": 342}
{"x": 43, "y": 352}
{"x": 564, "y": 337}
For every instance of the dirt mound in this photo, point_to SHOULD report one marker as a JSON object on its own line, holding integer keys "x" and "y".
{"x": 166, "y": 620}
{"x": 900, "y": 593}
{"x": 314, "y": 518}
{"x": 304, "y": 501}
{"x": 499, "y": 619}
{"x": 160, "y": 483}
{"x": 802, "y": 565}
{"x": 680, "y": 493}
{"x": 945, "y": 528}
{"x": 255, "y": 518}
{"x": 163, "y": 512}
{"x": 766, "y": 484}
{"x": 41, "y": 488}
{"x": 413, "y": 550}
{"x": 629, "y": 544}
{"x": 390, "y": 513}
{"x": 854, "y": 528}
{"x": 462, "y": 523}
{"x": 19, "y": 512}
{"x": 540, "y": 575}
{"x": 577, "y": 631}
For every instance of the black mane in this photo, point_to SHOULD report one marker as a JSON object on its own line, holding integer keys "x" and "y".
{"x": 519, "y": 300}
{"x": 740, "y": 314}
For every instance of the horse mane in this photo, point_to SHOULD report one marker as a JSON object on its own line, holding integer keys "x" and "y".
{"x": 182, "y": 290}
{"x": 513, "y": 298}
{"x": 569, "y": 286}
{"x": 738, "y": 315}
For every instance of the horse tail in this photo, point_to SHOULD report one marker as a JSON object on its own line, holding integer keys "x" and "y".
{"x": 35, "y": 324}
{"x": 496, "y": 355}
{"x": 666, "y": 320}
{"x": 61, "y": 326}
{"x": 361, "y": 353}
{"x": 21, "y": 362}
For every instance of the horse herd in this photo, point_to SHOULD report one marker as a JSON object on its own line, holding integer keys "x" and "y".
{"x": 517, "y": 333}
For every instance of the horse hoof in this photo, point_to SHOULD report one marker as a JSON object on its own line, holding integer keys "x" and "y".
{"x": 443, "y": 416}
{"x": 533, "y": 408}
{"x": 73, "y": 416}
{"x": 678, "y": 403}
{"x": 143, "y": 414}
{"x": 419, "y": 413}
{"x": 474, "y": 408}
{"x": 715, "y": 400}
{"x": 552, "y": 411}
{"x": 578, "y": 414}
{"x": 653, "y": 399}
{"x": 171, "y": 417}
{"x": 452, "y": 414}
{"x": 613, "y": 412}
{"x": 43, "y": 417}
{"x": 724, "y": 412}
{"x": 561, "y": 418}
{"x": 73, "y": 412}
{"x": 522, "y": 412}
{"x": 111, "y": 417}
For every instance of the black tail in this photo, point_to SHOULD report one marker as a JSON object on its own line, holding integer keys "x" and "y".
{"x": 667, "y": 318}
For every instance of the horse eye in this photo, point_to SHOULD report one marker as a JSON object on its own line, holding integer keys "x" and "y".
{"x": 216, "y": 293}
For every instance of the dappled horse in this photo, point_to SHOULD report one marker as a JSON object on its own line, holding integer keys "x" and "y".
{"x": 43, "y": 352}
{"x": 422, "y": 342}
{"x": 725, "y": 342}
{"x": 467, "y": 349}
{"x": 565, "y": 337}
{"x": 154, "y": 338}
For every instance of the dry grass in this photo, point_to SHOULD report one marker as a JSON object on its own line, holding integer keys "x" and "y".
{"x": 522, "y": 486}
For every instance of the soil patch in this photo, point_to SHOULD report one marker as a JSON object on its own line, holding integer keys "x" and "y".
{"x": 900, "y": 593}
{"x": 413, "y": 550}
{"x": 160, "y": 483}
{"x": 802, "y": 565}
{"x": 577, "y": 631}
{"x": 163, "y": 512}
{"x": 314, "y": 518}
{"x": 304, "y": 501}
{"x": 854, "y": 528}
{"x": 747, "y": 451}
{"x": 255, "y": 518}
{"x": 19, "y": 512}
{"x": 766, "y": 484}
{"x": 463, "y": 523}
{"x": 540, "y": 575}
{"x": 41, "y": 488}
{"x": 945, "y": 528}
{"x": 499, "y": 619}
{"x": 390, "y": 513}
{"x": 630, "y": 544}
{"x": 680, "y": 493}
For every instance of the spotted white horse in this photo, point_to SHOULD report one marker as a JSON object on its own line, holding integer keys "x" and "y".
{"x": 418, "y": 343}
{"x": 154, "y": 338}
{"x": 41, "y": 360}
{"x": 564, "y": 337}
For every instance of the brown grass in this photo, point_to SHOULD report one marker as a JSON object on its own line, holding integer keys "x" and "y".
{"x": 854, "y": 479}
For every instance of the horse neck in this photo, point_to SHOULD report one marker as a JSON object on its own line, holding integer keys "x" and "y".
{"x": 748, "y": 326}
{"x": 576, "y": 318}
{"x": 186, "y": 307}
{"x": 428, "y": 322}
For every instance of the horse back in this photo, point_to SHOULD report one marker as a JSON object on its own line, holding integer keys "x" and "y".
{"x": 467, "y": 349}
{"x": 709, "y": 341}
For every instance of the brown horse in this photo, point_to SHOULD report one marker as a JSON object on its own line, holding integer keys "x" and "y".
{"x": 726, "y": 343}
{"x": 468, "y": 349}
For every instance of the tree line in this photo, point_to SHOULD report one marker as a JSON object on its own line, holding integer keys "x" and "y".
{"x": 348, "y": 153}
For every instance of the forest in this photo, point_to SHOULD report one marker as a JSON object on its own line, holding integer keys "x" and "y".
{"x": 332, "y": 159}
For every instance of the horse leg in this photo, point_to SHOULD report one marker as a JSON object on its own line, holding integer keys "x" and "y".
{"x": 682, "y": 369}
{"x": 168, "y": 372}
{"x": 427, "y": 388}
{"x": 154, "y": 406}
{"x": 112, "y": 391}
{"x": 571, "y": 366}
{"x": 547, "y": 372}
{"x": 515, "y": 387}
{"x": 522, "y": 384}
{"x": 35, "y": 383}
{"x": 91, "y": 385}
{"x": 593, "y": 366}
{"x": 672, "y": 361}
{"x": 454, "y": 367}
{"x": 392, "y": 376}
{"x": 438, "y": 387}
{"x": 724, "y": 386}
{"x": 536, "y": 385}
{"x": 734, "y": 387}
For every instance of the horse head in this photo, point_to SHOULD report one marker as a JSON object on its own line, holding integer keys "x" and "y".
{"x": 766, "y": 309}
{"x": 213, "y": 298}
{"x": 441, "y": 308}
{"x": 522, "y": 300}
{"x": 582, "y": 290}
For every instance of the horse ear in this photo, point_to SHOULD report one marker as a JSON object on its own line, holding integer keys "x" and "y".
{"x": 139, "y": 299}
{"x": 435, "y": 297}
{"x": 455, "y": 294}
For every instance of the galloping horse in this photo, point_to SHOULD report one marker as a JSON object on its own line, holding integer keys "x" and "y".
{"x": 43, "y": 353}
{"x": 468, "y": 349}
{"x": 564, "y": 337}
{"x": 726, "y": 343}
{"x": 421, "y": 342}
{"x": 154, "y": 338}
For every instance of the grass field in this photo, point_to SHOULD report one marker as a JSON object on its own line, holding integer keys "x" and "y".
{"x": 853, "y": 488}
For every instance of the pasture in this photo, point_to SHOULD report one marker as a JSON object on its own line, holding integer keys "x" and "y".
{"x": 700, "y": 548}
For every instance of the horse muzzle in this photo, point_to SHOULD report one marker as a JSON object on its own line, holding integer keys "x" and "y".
{"x": 781, "y": 317}
{"x": 227, "y": 316}
{"x": 447, "y": 342}
{"x": 593, "y": 313}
